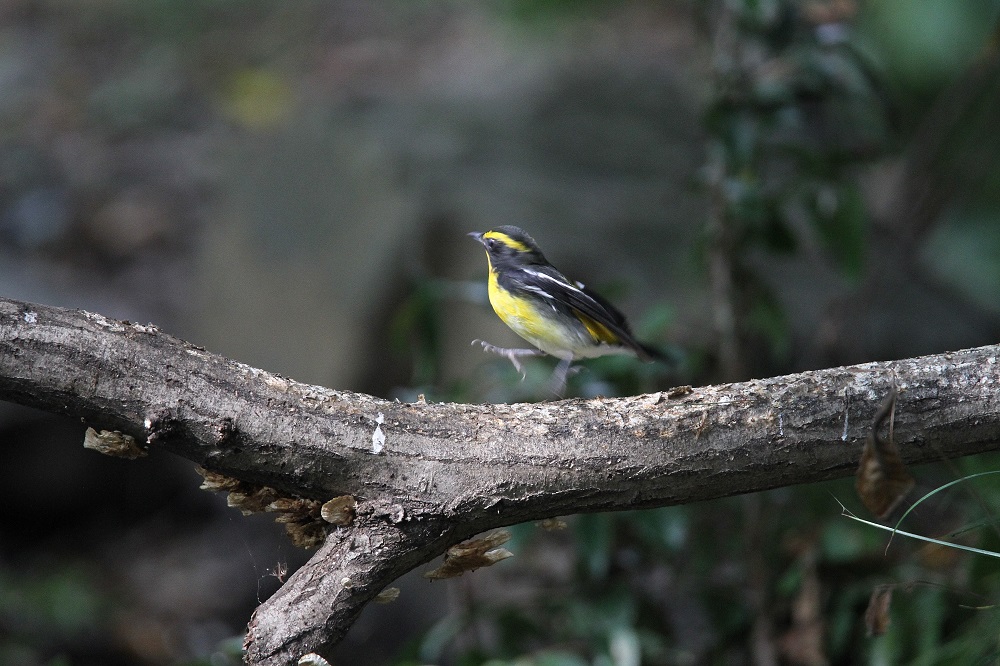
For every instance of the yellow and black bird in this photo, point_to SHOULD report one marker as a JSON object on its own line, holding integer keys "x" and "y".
{"x": 560, "y": 317}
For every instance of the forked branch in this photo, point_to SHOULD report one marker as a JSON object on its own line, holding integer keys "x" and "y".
{"x": 425, "y": 476}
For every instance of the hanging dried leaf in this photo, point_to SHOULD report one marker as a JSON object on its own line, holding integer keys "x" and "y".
{"x": 113, "y": 443}
{"x": 471, "y": 555}
{"x": 882, "y": 479}
{"x": 552, "y": 524}
{"x": 877, "y": 614}
{"x": 215, "y": 482}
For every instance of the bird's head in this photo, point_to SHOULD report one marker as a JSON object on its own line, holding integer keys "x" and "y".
{"x": 509, "y": 245}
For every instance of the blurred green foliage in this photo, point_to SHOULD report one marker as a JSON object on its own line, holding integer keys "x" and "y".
{"x": 923, "y": 45}
{"x": 55, "y": 610}
{"x": 800, "y": 96}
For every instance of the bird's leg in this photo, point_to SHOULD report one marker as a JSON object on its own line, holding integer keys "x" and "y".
{"x": 558, "y": 381}
{"x": 512, "y": 355}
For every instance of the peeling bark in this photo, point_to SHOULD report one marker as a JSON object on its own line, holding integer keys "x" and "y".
{"x": 446, "y": 472}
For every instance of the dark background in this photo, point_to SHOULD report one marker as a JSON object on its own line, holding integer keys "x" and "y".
{"x": 763, "y": 186}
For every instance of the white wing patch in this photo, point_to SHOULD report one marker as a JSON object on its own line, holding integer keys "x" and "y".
{"x": 541, "y": 292}
{"x": 577, "y": 288}
{"x": 565, "y": 285}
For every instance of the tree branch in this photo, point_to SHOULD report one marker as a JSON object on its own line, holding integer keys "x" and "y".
{"x": 448, "y": 471}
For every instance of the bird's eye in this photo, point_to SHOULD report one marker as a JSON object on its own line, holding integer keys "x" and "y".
{"x": 492, "y": 243}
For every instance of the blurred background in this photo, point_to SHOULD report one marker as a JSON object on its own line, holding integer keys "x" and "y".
{"x": 763, "y": 186}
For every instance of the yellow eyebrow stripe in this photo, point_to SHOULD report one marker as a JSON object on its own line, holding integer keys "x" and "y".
{"x": 506, "y": 240}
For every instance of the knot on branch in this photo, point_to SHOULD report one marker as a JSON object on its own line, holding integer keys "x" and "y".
{"x": 161, "y": 425}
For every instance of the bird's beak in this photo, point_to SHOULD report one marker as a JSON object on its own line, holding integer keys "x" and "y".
{"x": 478, "y": 235}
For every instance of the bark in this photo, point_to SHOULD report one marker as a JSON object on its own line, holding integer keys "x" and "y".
{"x": 446, "y": 472}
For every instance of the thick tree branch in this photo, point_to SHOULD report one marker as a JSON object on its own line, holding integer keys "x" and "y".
{"x": 448, "y": 471}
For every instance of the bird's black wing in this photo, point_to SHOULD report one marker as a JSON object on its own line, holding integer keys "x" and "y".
{"x": 582, "y": 302}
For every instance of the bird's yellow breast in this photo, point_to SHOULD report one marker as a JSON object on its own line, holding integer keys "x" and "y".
{"x": 538, "y": 324}
{"x": 519, "y": 313}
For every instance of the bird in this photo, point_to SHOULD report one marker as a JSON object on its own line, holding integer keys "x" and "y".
{"x": 560, "y": 317}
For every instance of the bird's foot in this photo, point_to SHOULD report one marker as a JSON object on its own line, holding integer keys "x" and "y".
{"x": 512, "y": 355}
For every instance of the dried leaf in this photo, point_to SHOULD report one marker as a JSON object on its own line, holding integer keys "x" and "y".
{"x": 306, "y": 535}
{"x": 552, "y": 524}
{"x": 339, "y": 511}
{"x": 471, "y": 555}
{"x": 251, "y": 499}
{"x": 213, "y": 481}
{"x": 113, "y": 443}
{"x": 283, "y": 505}
{"x": 883, "y": 481}
{"x": 877, "y": 614}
